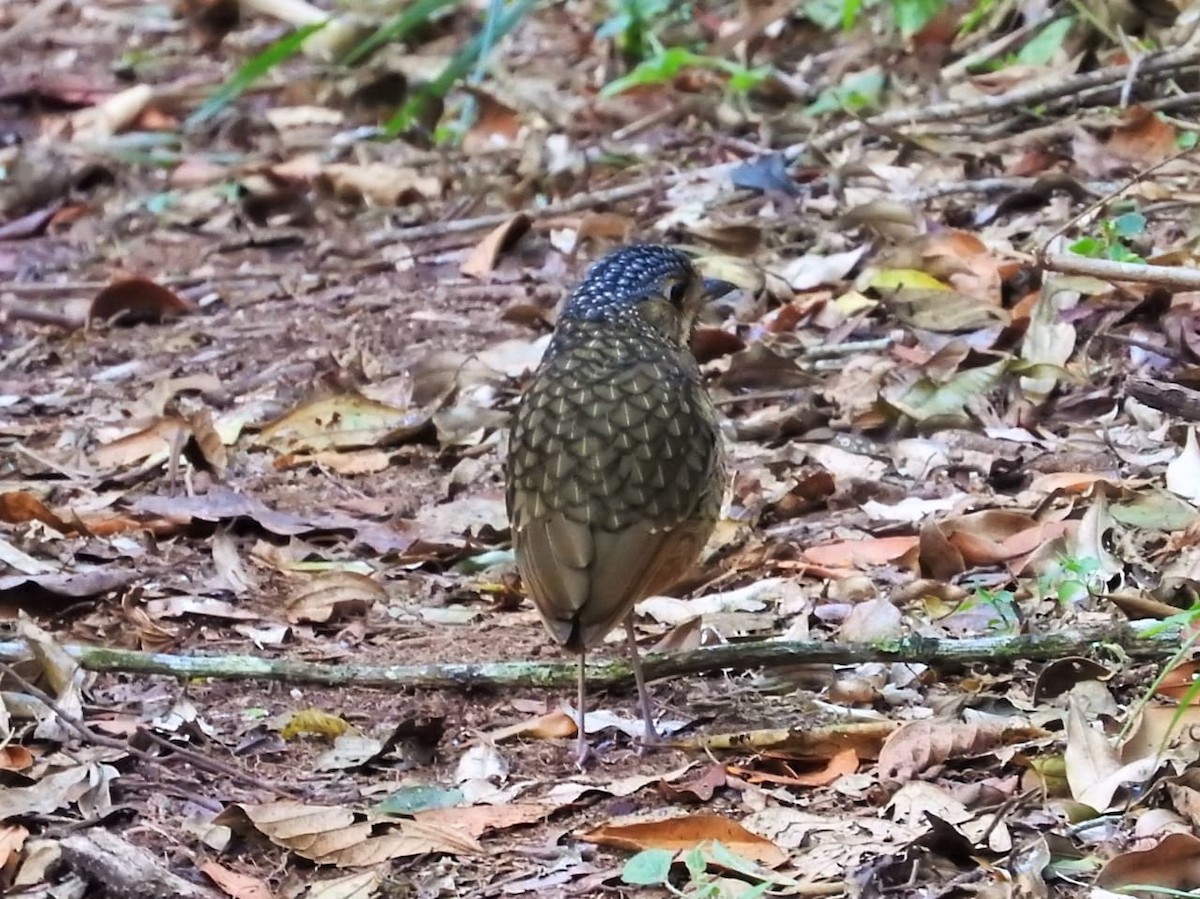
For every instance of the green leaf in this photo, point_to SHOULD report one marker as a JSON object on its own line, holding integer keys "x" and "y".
{"x": 1091, "y": 247}
{"x": 743, "y": 80}
{"x": 913, "y": 15}
{"x": 457, "y": 68}
{"x": 647, "y": 868}
{"x": 727, "y": 858}
{"x": 859, "y": 90}
{"x": 1131, "y": 224}
{"x": 696, "y": 863}
{"x": 420, "y": 797}
{"x": 850, "y": 12}
{"x": 1040, "y": 49}
{"x": 280, "y": 51}
{"x": 658, "y": 69}
{"x": 1187, "y": 140}
{"x": 928, "y": 399}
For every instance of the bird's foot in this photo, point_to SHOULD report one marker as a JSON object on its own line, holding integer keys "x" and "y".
{"x": 650, "y": 740}
{"x": 583, "y": 754}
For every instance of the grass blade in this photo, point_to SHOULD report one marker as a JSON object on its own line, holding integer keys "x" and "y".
{"x": 457, "y": 68}
{"x": 251, "y": 71}
{"x": 396, "y": 29}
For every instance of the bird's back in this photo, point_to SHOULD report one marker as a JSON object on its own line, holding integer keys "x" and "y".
{"x": 614, "y": 475}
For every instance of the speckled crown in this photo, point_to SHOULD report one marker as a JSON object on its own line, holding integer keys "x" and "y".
{"x": 623, "y": 277}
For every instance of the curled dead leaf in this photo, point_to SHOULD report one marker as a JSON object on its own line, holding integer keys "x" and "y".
{"x": 919, "y": 745}
{"x": 344, "y": 421}
{"x": 332, "y": 835}
{"x": 378, "y": 183}
{"x": 1174, "y": 863}
{"x": 686, "y": 833}
{"x": 485, "y": 255}
{"x": 332, "y": 596}
{"x": 151, "y": 444}
{"x": 134, "y": 300}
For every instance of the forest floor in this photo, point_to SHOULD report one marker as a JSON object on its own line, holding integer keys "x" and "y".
{"x": 256, "y": 370}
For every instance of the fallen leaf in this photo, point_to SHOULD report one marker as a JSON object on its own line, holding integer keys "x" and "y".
{"x": 136, "y": 300}
{"x": 333, "y": 596}
{"x": 686, "y": 833}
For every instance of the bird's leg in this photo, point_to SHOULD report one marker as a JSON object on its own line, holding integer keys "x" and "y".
{"x": 643, "y": 695}
{"x": 582, "y": 751}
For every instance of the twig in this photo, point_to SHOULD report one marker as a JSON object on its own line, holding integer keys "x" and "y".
{"x": 1140, "y": 638}
{"x": 961, "y": 68}
{"x": 1188, "y": 54}
{"x": 31, "y": 22}
{"x": 91, "y": 737}
{"x": 1105, "y": 200}
{"x": 849, "y": 348}
{"x": 1179, "y": 277}
{"x": 491, "y": 220}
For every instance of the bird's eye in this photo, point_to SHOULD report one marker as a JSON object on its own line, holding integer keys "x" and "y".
{"x": 676, "y": 291}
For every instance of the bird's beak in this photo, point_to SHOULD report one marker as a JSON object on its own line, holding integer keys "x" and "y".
{"x": 715, "y": 288}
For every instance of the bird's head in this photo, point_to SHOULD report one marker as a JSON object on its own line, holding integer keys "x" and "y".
{"x": 645, "y": 284}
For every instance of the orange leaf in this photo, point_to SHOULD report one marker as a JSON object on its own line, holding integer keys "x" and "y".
{"x": 137, "y": 300}
{"x": 688, "y": 832}
{"x": 859, "y": 553}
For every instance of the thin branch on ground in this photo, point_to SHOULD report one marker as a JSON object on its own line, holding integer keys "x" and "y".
{"x": 90, "y": 737}
{"x": 1178, "y": 277}
{"x": 1148, "y": 639}
{"x": 1164, "y": 64}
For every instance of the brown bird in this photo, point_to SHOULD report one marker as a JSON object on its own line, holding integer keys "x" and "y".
{"x": 615, "y": 472}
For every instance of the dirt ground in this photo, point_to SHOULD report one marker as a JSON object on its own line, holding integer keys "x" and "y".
{"x": 256, "y": 372}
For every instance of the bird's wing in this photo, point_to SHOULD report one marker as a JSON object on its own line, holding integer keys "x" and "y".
{"x": 611, "y": 491}
{"x": 580, "y": 602}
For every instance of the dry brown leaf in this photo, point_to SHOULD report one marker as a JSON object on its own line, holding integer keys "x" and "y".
{"x": 686, "y": 833}
{"x": 552, "y": 726}
{"x": 485, "y": 255}
{"x": 229, "y": 564}
{"x": 698, "y": 787}
{"x": 336, "y": 836}
{"x": 843, "y": 762}
{"x": 917, "y": 746}
{"x": 239, "y": 886}
{"x": 333, "y": 596}
{"x": 15, "y": 758}
{"x": 12, "y": 841}
{"x": 1162, "y": 729}
{"x": 153, "y": 443}
{"x": 113, "y": 115}
{"x": 1174, "y": 863}
{"x": 209, "y": 442}
{"x": 348, "y": 463}
{"x": 479, "y": 819}
{"x": 987, "y": 537}
{"x": 875, "y": 619}
{"x": 378, "y": 183}
{"x": 20, "y": 506}
{"x": 337, "y": 422}
{"x": 1143, "y": 138}
{"x": 135, "y": 300}
{"x": 861, "y": 553}
{"x": 50, "y": 794}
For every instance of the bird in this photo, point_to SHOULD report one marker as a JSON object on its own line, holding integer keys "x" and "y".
{"x": 615, "y": 470}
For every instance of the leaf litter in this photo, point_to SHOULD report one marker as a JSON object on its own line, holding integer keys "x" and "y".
{"x": 264, "y": 412}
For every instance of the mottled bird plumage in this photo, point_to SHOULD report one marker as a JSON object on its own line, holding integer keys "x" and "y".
{"x": 614, "y": 471}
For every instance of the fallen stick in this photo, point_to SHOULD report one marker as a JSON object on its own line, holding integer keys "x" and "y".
{"x": 1177, "y": 277}
{"x": 1145, "y": 639}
